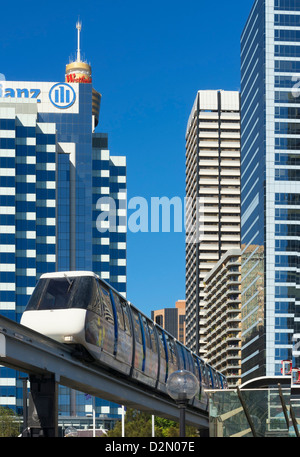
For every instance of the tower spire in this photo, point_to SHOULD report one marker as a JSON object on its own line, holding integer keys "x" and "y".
{"x": 78, "y": 27}
{"x": 79, "y": 71}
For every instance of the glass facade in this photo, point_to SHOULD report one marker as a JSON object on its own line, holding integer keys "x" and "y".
{"x": 270, "y": 180}
{"x": 53, "y": 170}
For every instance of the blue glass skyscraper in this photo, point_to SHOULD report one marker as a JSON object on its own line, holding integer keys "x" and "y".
{"x": 55, "y": 173}
{"x": 270, "y": 185}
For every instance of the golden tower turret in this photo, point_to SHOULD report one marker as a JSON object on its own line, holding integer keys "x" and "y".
{"x": 81, "y": 72}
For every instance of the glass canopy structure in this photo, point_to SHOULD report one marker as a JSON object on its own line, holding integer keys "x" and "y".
{"x": 272, "y": 410}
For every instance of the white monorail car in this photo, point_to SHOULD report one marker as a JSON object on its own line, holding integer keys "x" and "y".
{"x": 80, "y": 309}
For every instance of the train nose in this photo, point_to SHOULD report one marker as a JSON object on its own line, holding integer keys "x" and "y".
{"x": 62, "y": 325}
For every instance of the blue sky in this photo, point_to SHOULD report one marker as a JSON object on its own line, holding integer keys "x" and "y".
{"x": 148, "y": 61}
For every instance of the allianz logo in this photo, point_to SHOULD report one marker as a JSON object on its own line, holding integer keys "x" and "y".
{"x": 8, "y": 92}
{"x": 61, "y": 95}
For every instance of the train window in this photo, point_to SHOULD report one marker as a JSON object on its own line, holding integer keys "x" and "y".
{"x": 88, "y": 290}
{"x": 202, "y": 374}
{"x": 181, "y": 363}
{"x": 36, "y": 298}
{"x": 213, "y": 378}
{"x": 86, "y": 295}
{"x": 119, "y": 310}
{"x": 149, "y": 334}
{"x": 57, "y": 295}
{"x": 196, "y": 367}
{"x": 152, "y": 336}
{"x": 146, "y": 332}
{"x": 126, "y": 317}
{"x": 137, "y": 326}
{"x": 106, "y": 305}
{"x": 210, "y": 378}
{"x": 161, "y": 343}
{"x": 186, "y": 360}
{"x": 205, "y": 374}
{"x": 221, "y": 385}
{"x": 190, "y": 364}
{"x": 54, "y": 293}
{"x": 67, "y": 292}
{"x": 172, "y": 350}
{"x": 170, "y": 354}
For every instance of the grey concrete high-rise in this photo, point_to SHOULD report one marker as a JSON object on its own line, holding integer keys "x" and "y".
{"x": 213, "y": 181}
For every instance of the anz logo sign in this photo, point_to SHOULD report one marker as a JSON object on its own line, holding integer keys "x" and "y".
{"x": 62, "y": 95}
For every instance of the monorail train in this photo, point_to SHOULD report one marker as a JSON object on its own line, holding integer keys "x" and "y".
{"x": 80, "y": 309}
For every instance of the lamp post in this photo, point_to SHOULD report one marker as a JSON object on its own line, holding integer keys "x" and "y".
{"x": 182, "y": 386}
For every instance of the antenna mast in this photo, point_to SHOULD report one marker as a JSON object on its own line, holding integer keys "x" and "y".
{"x": 78, "y": 27}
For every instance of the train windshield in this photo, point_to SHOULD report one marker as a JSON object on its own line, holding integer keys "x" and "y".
{"x": 62, "y": 293}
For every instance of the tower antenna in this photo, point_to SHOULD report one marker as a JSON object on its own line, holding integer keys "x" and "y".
{"x": 78, "y": 27}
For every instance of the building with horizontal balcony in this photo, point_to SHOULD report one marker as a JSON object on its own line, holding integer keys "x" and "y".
{"x": 212, "y": 196}
{"x": 57, "y": 180}
{"x": 223, "y": 316}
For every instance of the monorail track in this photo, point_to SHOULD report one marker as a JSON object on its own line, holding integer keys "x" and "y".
{"x": 28, "y": 351}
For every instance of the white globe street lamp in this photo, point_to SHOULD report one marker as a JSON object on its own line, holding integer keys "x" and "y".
{"x": 182, "y": 386}
{"x": 71, "y": 432}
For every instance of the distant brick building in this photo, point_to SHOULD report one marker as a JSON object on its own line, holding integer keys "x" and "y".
{"x": 172, "y": 320}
